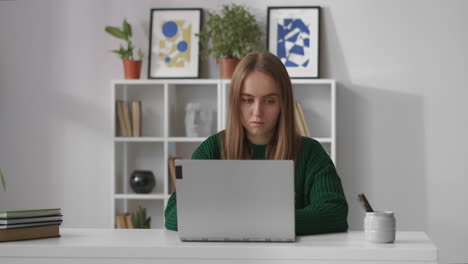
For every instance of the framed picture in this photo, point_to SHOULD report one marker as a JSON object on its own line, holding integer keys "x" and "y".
{"x": 293, "y": 34}
{"x": 173, "y": 47}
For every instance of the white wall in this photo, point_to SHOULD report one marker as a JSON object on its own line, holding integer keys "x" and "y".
{"x": 400, "y": 67}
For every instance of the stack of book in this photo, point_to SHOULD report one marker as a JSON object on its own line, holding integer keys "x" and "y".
{"x": 124, "y": 220}
{"x": 301, "y": 125}
{"x": 29, "y": 224}
{"x": 128, "y": 118}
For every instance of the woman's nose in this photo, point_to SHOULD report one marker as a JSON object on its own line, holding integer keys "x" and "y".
{"x": 257, "y": 109}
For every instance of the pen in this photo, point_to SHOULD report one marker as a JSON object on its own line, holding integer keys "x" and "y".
{"x": 363, "y": 201}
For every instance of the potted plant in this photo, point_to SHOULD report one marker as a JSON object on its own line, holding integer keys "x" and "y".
{"x": 139, "y": 219}
{"x": 230, "y": 35}
{"x": 132, "y": 67}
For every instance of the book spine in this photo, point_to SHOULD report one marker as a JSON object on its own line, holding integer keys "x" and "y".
{"x": 172, "y": 174}
{"x": 297, "y": 118}
{"x": 121, "y": 221}
{"x": 120, "y": 119}
{"x": 304, "y": 123}
{"x": 29, "y": 233}
{"x": 126, "y": 114}
{"x": 136, "y": 118}
{"x": 128, "y": 221}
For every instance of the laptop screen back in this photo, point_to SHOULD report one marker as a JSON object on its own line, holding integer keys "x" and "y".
{"x": 235, "y": 200}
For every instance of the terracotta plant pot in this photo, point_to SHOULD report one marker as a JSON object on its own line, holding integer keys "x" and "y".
{"x": 132, "y": 69}
{"x": 227, "y": 67}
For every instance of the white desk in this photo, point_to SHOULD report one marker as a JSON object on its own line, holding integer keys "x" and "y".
{"x": 133, "y": 246}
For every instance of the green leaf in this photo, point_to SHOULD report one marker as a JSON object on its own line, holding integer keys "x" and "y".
{"x": 134, "y": 221}
{"x": 127, "y": 28}
{"x": 141, "y": 54}
{"x": 125, "y": 33}
{"x": 139, "y": 219}
{"x": 148, "y": 223}
{"x": 232, "y": 32}
{"x": 116, "y": 32}
{"x": 129, "y": 51}
{"x": 3, "y": 180}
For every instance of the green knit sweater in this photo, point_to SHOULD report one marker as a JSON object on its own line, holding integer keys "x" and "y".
{"x": 320, "y": 202}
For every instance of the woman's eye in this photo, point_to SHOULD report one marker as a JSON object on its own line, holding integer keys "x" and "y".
{"x": 270, "y": 101}
{"x": 247, "y": 100}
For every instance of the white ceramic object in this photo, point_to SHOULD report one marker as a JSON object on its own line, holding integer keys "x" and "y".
{"x": 198, "y": 120}
{"x": 379, "y": 227}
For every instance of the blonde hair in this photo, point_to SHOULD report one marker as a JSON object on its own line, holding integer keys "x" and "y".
{"x": 284, "y": 144}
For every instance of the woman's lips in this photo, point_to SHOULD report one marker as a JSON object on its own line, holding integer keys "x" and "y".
{"x": 257, "y": 123}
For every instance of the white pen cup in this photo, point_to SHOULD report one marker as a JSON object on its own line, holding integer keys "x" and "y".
{"x": 379, "y": 227}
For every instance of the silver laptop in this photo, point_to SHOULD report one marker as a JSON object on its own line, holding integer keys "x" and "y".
{"x": 235, "y": 200}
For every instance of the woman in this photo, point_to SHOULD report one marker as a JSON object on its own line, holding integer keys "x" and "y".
{"x": 261, "y": 126}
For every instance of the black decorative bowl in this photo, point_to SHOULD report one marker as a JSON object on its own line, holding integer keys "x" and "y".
{"x": 142, "y": 181}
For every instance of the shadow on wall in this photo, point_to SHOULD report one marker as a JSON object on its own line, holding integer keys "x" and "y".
{"x": 380, "y": 141}
{"x": 381, "y": 153}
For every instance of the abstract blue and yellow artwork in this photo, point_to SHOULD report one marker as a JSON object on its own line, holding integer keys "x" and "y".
{"x": 293, "y": 36}
{"x": 174, "y": 49}
{"x": 174, "y": 46}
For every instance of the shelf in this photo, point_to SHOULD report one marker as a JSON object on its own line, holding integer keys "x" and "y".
{"x": 159, "y": 139}
{"x": 141, "y": 196}
{"x": 312, "y": 81}
{"x": 166, "y": 81}
{"x": 186, "y": 139}
{"x": 136, "y": 81}
{"x": 193, "y": 82}
{"x": 301, "y": 81}
{"x": 210, "y": 81}
{"x": 138, "y": 139}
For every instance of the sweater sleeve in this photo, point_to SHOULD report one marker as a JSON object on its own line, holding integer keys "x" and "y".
{"x": 326, "y": 209}
{"x": 209, "y": 149}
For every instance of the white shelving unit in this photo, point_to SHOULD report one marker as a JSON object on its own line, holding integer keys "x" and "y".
{"x": 163, "y": 131}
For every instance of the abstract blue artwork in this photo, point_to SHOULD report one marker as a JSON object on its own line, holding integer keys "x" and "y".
{"x": 293, "y": 36}
{"x": 293, "y": 42}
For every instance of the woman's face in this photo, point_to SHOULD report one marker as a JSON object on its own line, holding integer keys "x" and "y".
{"x": 260, "y": 107}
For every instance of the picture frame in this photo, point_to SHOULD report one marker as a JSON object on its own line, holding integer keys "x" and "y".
{"x": 293, "y": 34}
{"x": 174, "y": 49}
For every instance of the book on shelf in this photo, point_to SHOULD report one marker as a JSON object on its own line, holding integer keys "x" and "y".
{"x": 123, "y": 221}
{"x": 29, "y": 233}
{"x": 29, "y": 213}
{"x": 128, "y": 221}
{"x": 304, "y": 123}
{"x": 120, "y": 221}
{"x": 123, "y": 119}
{"x": 128, "y": 117}
{"x": 136, "y": 118}
{"x": 301, "y": 124}
{"x": 297, "y": 120}
{"x": 121, "y": 132}
{"x": 172, "y": 173}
